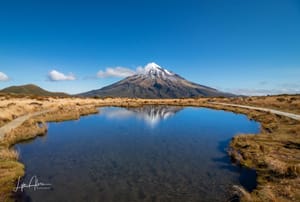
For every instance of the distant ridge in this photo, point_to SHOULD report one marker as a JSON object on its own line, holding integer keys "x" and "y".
{"x": 155, "y": 82}
{"x": 31, "y": 89}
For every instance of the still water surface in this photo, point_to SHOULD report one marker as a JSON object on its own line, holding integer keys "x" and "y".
{"x": 144, "y": 154}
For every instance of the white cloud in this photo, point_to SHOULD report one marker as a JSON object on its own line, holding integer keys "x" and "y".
{"x": 121, "y": 72}
{"x": 3, "y": 77}
{"x": 58, "y": 76}
{"x": 115, "y": 72}
{"x": 140, "y": 70}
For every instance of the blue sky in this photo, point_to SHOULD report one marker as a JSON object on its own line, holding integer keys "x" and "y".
{"x": 242, "y": 46}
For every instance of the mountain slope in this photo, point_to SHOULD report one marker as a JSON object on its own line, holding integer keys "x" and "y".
{"x": 155, "y": 82}
{"x": 30, "y": 89}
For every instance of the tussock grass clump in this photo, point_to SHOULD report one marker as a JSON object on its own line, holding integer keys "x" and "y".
{"x": 240, "y": 192}
{"x": 28, "y": 130}
{"x": 275, "y": 155}
{"x": 10, "y": 170}
{"x": 9, "y": 154}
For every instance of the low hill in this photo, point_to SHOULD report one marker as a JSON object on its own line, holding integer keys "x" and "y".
{"x": 30, "y": 89}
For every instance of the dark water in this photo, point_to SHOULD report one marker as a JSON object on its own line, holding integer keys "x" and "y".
{"x": 145, "y": 154}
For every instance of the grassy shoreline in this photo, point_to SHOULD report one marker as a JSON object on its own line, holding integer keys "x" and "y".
{"x": 274, "y": 153}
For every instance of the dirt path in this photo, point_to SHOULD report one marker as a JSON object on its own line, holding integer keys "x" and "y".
{"x": 273, "y": 111}
{"x": 17, "y": 122}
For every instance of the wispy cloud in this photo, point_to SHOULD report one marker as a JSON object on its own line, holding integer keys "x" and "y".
{"x": 115, "y": 72}
{"x": 140, "y": 70}
{"x": 261, "y": 92}
{"x": 3, "y": 77}
{"x": 55, "y": 75}
{"x": 120, "y": 72}
{"x": 268, "y": 88}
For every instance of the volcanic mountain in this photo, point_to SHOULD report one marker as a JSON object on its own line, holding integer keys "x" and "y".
{"x": 155, "y": 82}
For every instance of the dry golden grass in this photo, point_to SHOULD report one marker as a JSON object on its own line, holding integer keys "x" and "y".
{"x": 274, "y": 153}
{"x": 9, "y": 154}
{"x": 10, "y": 170}
{"x": 28, "y": 130}
{"x": 288, "y": 103}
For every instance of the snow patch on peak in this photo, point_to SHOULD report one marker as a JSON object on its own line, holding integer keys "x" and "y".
{"x": 152, "y": 67}
{"x": 154, "y": 70}
{"x": 169, "y": 73}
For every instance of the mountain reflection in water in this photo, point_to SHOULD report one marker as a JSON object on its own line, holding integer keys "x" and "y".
{"x": 152, "y": 115}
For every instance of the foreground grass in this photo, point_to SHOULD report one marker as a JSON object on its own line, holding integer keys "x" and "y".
{"x": 287, "y": 103}
{"x": 10, "y": 170}
{"x": 274, "y": 153}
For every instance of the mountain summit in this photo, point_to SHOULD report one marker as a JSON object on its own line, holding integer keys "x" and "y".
{"x": 153, "y": 70}
{"x": 154, "y": 81}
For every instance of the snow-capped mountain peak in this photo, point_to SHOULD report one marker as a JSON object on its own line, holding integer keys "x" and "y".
{"x": 152, "y": 67}
{"x": 154, "y": 70}
{"x": 153, "y": 81}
